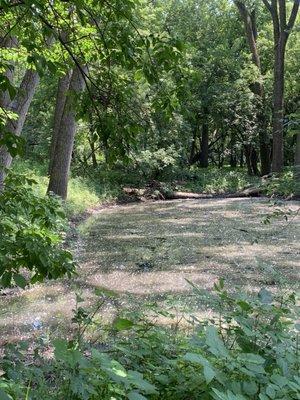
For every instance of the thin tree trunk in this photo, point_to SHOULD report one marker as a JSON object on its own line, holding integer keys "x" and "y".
{"x": 241, "y": 158}
{"x": 58, "y": 183}
{"x": 20, "y": 106}
{"x": 61, "y": 95}
{"x": 248, "y": 158}
{"x": 203, "y": 161}
{"x": 254, "y": 161}
{"x": 233, "y": 157}
{"x": 193, "y": 148}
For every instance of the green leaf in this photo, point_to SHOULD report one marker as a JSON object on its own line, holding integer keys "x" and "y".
{"x": 216, "y": 346}
{"x": 4, "y": 396}
{"x": 196, "y": 358}
{"x": 135, "y": 396}
{"x": 121, "y": 324}
{"x": 20, "y": 280}
{"x": 6, "y": 279}
{"x": 209, "y": 374}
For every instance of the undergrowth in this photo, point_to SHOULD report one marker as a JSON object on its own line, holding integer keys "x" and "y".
{"x": 249, "y": 350}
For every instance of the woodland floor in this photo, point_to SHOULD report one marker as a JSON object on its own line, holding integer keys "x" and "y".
{"x": 145, "y": 252}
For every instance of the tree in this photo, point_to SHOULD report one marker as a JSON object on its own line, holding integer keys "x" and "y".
{"x": 19, "y": 106}
{"x": 249, "y": 19}
{"x": 281, "y": 31}
{"x": 64, "y": 136}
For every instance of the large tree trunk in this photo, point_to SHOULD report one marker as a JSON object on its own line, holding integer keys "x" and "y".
{"x": 257, "y": 88}
{"x": 61, "y": 95}
{"x": 281, "y": 29}
{"x": 58, "y": 183}
{"x": 20, "y": 106}
{"x": 278, "y": 105}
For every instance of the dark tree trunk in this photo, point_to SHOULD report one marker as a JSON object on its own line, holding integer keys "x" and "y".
{"x": 248, "y": 158}
{"x": 58, "y": 183}
{"x": 242, "y": 158}
{"x": 254, "y": 161}
{"x": 93, "y": 152}
{"x": 251, "y": 159}
{"x": 249, "y": 20}
{"x": 282, "y": 29}
{"x": 278, "y": 106}
{"x": 203, "y": 160}
{"x": 233, "y": 157}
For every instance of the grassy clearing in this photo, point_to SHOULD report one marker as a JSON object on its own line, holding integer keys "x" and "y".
{"x": 146, "y": 252}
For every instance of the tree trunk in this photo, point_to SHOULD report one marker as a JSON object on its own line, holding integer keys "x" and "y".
{"x": 278, "y": 105}
{"x": 233, "y": 157}
{"x": 61, "y": 95}
{"x": 281, "y": 30}
{"x": 242, "y": 158}
{"x": 249, "y": 20}
{"x": 248, "y": 158}
{"x": 203, "y": 160}
{"x": 193, "y": 148}
{"x": 254, "y": 161}
{"x": 58, "y": 183}
{"x": 7, "y": 43}
{"x": 20, "y": 106}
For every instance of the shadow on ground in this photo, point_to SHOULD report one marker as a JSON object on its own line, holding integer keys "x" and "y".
{"x": 148, "y": 252}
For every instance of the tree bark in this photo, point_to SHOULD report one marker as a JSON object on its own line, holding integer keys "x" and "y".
{"x": 281, "y": 30}
{"x": 20, "y": 106}
{"x": 58, "y": 183}
{"x": 278, "y": 105}
{"x": 203, "y": 160}
{"x": 7, "y": 43}
{"x": 249, "y": 20}
{"x": 61, "y": 95}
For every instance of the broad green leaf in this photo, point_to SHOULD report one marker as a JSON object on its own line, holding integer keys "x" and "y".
{"x": 121, "y": 324}
{"x": 20, "y": 280}
{"x": 135, "y": 396}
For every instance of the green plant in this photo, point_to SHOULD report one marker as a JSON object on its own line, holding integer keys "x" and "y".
{"x": 248, "y": 350}
{"x": 31, "y": 235}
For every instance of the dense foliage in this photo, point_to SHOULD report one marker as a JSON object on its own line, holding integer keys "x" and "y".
{"x": 31, "y": 235}
{"x": 248, "y": 350}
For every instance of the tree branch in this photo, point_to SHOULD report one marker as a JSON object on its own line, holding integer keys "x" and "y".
{"x": 293, "y": 16}
{"x": 282, "y": 15}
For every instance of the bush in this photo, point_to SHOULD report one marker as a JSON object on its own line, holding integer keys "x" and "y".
{"x": 31, "y": 235}
{"x": 249, "y": 351}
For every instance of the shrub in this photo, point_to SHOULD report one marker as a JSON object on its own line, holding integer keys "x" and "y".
{"x": 31, "y": 235}
{"x": 249, "y": 351}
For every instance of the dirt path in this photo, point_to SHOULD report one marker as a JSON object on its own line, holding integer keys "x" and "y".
{"x": 147, "y": 251}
